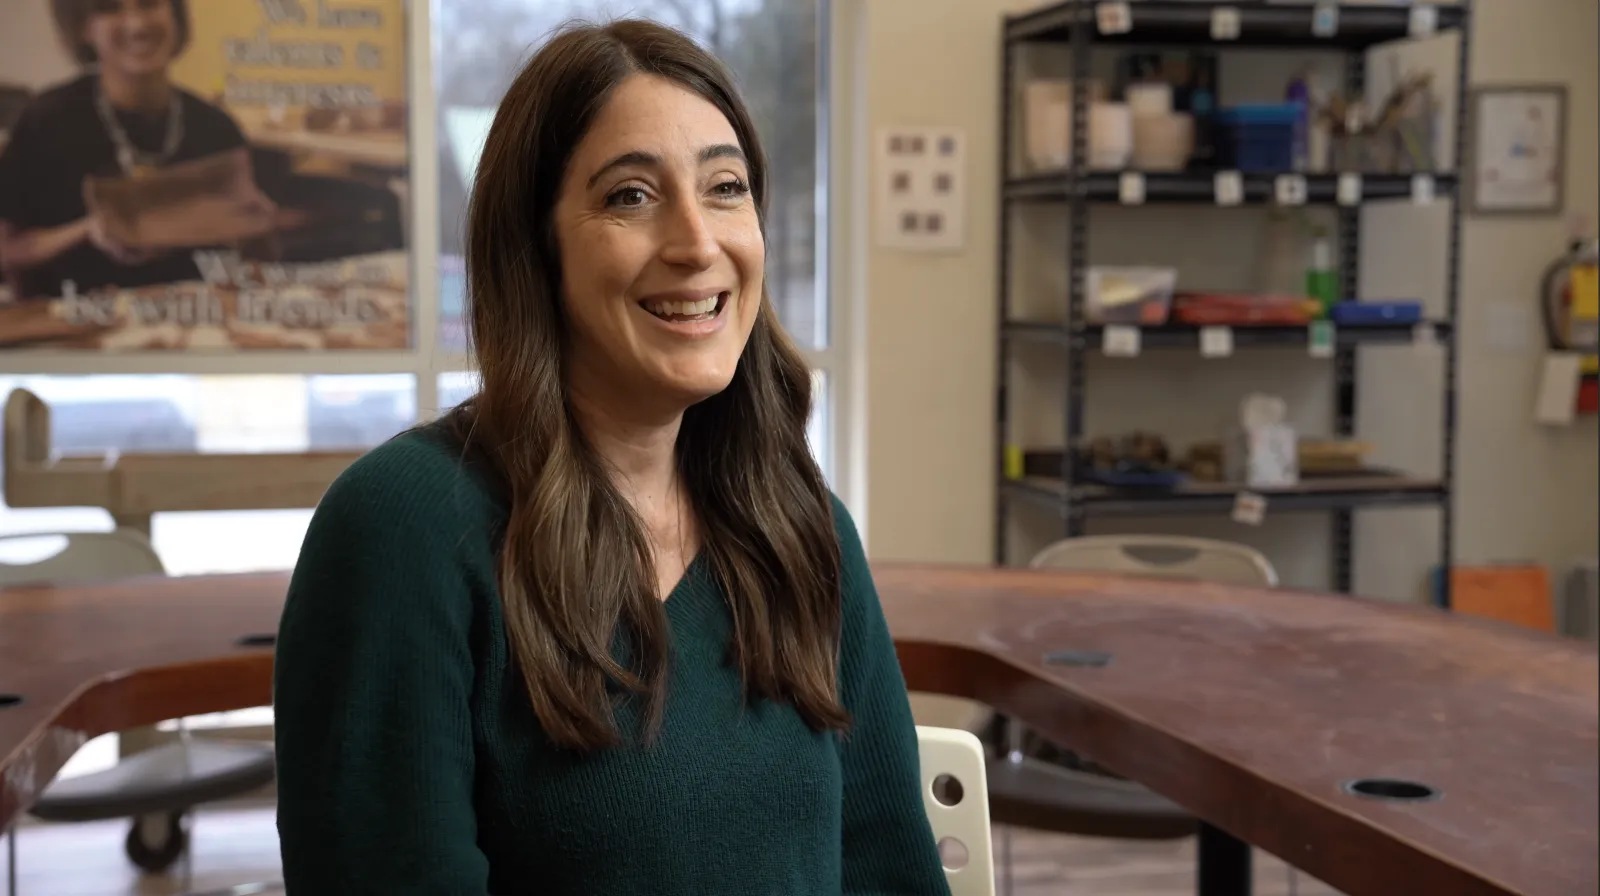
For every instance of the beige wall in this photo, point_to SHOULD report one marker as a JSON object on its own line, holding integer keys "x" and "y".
{"x": 928, "y": 345}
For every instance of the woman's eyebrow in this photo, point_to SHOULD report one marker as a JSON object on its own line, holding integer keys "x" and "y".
{"x": 644, "y": 159}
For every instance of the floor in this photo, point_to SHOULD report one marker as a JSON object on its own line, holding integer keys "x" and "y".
{"x": 240, "y": 845}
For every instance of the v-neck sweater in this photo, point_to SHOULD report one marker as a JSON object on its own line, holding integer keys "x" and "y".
{"x": 410, "y": 760}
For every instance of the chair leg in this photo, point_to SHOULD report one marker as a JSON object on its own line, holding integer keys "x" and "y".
{"x": 187, "y": 856}
{"x": 1013, "y": 748}
{"x": 187, "y": 818}
{"x": 11, "y": 861}
{"x": 1007, "y": 873}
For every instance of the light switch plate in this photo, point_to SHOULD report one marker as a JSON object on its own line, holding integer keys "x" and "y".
{"x": 921, "y": 187}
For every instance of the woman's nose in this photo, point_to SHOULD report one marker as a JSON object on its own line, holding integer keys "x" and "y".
{"x": 688, "y": 238}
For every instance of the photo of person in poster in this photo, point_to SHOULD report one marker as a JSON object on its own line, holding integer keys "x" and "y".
{"x": 260, "y": 208}
{"x": 124, "y": 117}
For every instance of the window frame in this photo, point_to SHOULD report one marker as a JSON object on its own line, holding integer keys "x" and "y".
{"x": 425, "y": 360}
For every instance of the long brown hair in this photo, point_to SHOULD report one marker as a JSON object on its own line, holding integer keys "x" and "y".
{"x": 576, "y": 568}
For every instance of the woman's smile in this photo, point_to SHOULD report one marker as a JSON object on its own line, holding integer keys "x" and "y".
{"x": 145, "y": 45}
{"x": 690, "y": 312}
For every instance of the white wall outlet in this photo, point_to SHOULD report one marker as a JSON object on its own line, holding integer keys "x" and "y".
{"x": 921, "y": 188}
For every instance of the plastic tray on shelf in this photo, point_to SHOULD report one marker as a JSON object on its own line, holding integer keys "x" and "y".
{"x": 1352, "y": 313}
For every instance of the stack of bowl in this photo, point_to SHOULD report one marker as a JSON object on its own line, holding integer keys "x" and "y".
{"x": 1162, "y": 139}
{"x": 1048, "y": 120}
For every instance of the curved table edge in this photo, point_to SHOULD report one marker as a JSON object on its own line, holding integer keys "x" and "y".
{"x": 121, "y": 699}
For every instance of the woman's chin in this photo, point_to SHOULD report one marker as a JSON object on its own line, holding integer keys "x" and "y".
{"x": 694, "y": 386}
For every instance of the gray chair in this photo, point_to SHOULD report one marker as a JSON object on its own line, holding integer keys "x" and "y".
{"x": 1035, "y": 785}
{"x": 156, "y": 788}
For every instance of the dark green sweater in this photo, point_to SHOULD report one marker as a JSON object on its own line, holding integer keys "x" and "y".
{"x": 409, "y": 761}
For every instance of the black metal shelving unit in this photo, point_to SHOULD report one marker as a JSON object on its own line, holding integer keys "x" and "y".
{"x": 1077, "y": 25}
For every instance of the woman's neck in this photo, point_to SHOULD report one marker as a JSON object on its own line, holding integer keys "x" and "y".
{"x": 640, "y": 449}
{"x": 137, "y": 93}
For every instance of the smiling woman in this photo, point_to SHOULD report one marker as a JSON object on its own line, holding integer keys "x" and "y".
{"x": 602, "y": 628}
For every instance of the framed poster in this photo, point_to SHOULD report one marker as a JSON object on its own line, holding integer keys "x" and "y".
{"x": 1518, "y": 150}
{"x": 208, "y": 175}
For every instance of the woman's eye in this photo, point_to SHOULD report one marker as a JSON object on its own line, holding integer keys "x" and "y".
{"x": 627, "y": 197}
{"x": 732, "y": 189}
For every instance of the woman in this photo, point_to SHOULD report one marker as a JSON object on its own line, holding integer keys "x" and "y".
{"x": 602, "y": 630}
{"x": 122, "y": 118}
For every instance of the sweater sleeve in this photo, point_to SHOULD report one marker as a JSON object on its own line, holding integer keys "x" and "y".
{"x": 888, "y": 842}
{"x": 372, "y": 688}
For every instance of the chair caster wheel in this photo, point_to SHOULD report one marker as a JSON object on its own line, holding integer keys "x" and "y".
{"x": 155, "y": 842}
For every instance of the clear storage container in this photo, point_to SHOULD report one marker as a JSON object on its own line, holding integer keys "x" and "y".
{"x": 1138, "y": 296}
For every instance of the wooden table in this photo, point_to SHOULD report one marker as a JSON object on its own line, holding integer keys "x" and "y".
{"x": 1253, "y": 709}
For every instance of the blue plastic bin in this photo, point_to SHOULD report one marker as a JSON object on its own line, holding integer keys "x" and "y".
{"x": 1351, "y": 313}
{"x": 1260, "y": 136}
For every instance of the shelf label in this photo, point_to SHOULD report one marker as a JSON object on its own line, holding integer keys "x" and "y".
{"x": 1321, "y": 338}
{"x": 1113, "y": 18}
{"x": 1120, "y": 341}
{"x": 1130, "y": 188}
{"x": 1249, "y": 508}
{"x": 1216, "y": 342}
{"x": 1421, "y": 189}
{"x": 1349, "y": 189}
{"x": 1224, "y": 23}
{"x": 1290, "y": 189}
{"x": 1424, "y": 20}
{"x": 1423, "y": 335}
{"x": 1325, "y": 19}
{"x": 1015, "y": 464}
{"x": 1228, "y": 187}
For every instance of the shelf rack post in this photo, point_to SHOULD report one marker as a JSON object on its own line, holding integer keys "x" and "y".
{"x": 1002, "y": 395}
{"x": 1345, "y": 380}
{"x": 1077, "y": 260}
{"x": 1452, "y": 299}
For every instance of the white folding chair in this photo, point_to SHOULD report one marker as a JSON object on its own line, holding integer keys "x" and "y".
{"x": 1162, "y": 556}
{"x": 956, "y": 794}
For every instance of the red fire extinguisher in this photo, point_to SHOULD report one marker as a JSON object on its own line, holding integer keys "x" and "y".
{"x": 1570, "y": 296}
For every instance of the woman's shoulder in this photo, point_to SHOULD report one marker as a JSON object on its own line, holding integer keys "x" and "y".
{"x": 416, "y": 481}
{"x": 844, "y": 526}
{"x": 67, "y": 98}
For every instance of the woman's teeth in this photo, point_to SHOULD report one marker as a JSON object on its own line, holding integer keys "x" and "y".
{"x": 681, "y": 311}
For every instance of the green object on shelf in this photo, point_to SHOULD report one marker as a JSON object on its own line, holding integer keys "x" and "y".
{"x": 1322, "y": 281}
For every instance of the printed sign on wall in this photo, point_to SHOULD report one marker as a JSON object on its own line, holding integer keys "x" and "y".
{"x": 215, "y": 175}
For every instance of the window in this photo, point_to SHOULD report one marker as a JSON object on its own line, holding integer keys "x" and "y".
{"x": 175, "y": 413}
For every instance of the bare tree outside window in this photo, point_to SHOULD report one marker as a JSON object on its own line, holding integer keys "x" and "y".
{"x": 772, "y": 46}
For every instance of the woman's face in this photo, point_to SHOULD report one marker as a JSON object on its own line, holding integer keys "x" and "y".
{"x": 133, "y": 37}
{"x": 661, "y": 248}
